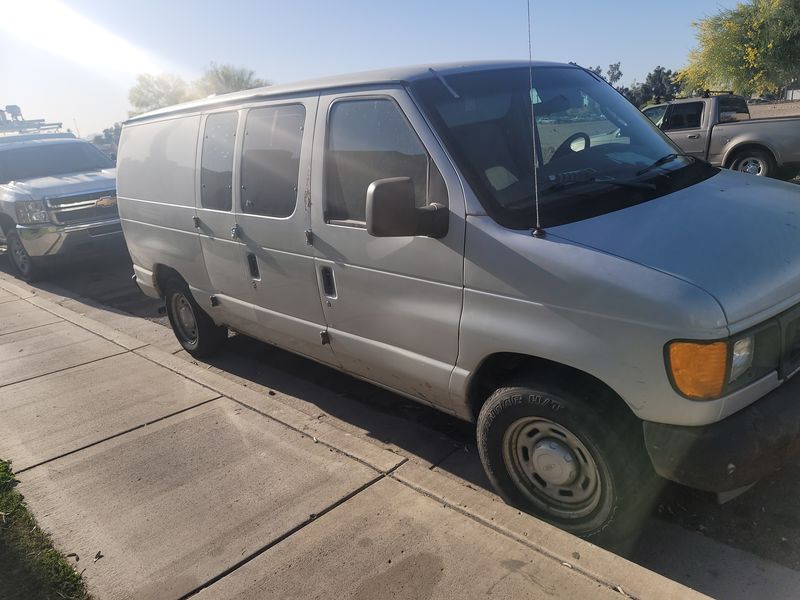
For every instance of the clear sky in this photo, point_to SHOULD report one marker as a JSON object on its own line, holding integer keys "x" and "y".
{"x": 74, "y": 60}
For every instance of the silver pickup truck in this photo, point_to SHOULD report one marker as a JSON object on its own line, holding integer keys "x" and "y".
{"x": 719, "y": 129}
{"x": 57, "y": 197}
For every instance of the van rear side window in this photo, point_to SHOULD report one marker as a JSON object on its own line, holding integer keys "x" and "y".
{"x": 271, "y": 159}
{"x": 216, "y": 175}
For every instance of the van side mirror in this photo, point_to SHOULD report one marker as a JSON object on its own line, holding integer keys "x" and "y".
{"x": 392, "y": 212}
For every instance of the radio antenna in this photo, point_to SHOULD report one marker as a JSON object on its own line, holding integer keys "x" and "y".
{"x": 538, "y": 231}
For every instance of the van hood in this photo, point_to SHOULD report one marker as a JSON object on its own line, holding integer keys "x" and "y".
{"x": 735, "y": 236}
{"x": 70, "y": 184}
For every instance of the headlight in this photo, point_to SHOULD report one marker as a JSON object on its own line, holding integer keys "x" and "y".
{"x": 742, "y": 357}
{"x": 31, "y": 211}
{"x": 703, "y": 370}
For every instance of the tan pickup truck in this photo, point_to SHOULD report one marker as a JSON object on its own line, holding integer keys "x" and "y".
{"x": 718, "y": 128}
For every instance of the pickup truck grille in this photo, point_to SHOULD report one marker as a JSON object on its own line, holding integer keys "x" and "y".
{"x": 83, "y": 208}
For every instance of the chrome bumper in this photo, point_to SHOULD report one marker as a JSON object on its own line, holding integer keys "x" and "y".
{"x": 51, "y": 240}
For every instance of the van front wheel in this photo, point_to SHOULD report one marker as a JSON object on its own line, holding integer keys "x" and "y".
{"x": 568, "y": 458}
{"x": 194, "y": 328}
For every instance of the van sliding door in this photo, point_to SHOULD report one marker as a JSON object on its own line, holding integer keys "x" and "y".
{"x": 273, "y": 220}
{"x": 216, "y": 223}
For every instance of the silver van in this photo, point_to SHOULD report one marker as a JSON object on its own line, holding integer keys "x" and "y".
{"x": 618, "y": 311}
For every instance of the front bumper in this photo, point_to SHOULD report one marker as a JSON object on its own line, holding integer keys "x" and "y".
{"x": 732, "y": 453}
{"x": 52, "y": 240}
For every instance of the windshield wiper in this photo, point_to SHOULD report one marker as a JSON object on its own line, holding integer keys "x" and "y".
{"x": 662, "y": 161}
{"x": 609, "y": 180}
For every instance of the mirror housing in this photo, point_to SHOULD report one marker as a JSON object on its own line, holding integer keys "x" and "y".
{"x": 392, "y": 212}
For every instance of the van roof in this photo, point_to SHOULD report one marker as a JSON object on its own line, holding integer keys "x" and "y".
{"x": 383, "y": 76}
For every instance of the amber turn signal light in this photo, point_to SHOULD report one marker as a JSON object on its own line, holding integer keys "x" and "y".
{"x": 698, "y": 369}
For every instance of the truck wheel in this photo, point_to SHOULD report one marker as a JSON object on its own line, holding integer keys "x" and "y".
{"x": 27, "y": 267}
{"x": 755, "y": 162}
{"x": 570, "y": 459}
{"x": 195, "y": 330}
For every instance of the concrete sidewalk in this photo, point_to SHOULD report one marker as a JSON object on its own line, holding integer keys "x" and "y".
{"x": 185, "y": 481}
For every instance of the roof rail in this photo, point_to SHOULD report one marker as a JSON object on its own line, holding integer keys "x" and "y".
{"x": 12, "y": 121}
{"x": 27, "y": 137}
{"x": 709, "y": 93}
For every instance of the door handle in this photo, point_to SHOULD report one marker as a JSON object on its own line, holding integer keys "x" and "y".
{"x": 252, "y": 263}
{"x": 236, "y": 232}
{"x": 196, "y": 222}
{"x": 328, "y": 283}
{"x": 693, "y": 136}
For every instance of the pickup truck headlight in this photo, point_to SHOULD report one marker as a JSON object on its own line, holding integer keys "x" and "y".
{"x": 31, "y": 211}
{"x": 707, "y": 370}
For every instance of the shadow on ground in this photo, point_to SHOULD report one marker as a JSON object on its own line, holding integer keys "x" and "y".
{"x": 758, "y": 533}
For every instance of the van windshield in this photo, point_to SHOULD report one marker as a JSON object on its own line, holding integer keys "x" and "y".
{"x": 596, "y": 152}
{"x": 42, "y": 160}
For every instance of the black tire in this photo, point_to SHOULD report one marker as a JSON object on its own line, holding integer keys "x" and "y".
{"x": 202, "y": 339}
{"x": 608, "y": 440}
{"x": 25, "y": 266}
{"x": 755, "y": 161}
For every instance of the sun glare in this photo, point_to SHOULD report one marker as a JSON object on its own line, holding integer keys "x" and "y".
{"x": 56, "y": 28}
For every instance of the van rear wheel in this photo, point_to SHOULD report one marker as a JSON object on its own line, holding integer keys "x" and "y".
{"x": 194, "y": 328}
{"x": 570, "y": 457}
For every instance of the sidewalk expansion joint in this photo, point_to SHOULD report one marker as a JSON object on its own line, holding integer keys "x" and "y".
{"x": 444, "y": 458}
{"x": 24, "y": 329}
{"x": 53, "y": 372}
{"x": 518, "y": 538}
{"x": 284, "y": 536}
{"x": 118, "y": 434}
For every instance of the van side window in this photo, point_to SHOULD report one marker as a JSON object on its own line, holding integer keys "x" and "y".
{"x": 216, "y": 172}
{"x": 368, "y": 140}
{"x": 271, "y": 159}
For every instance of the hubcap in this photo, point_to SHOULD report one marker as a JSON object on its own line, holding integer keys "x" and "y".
{"x": 552, "y": 467}
{"x": 753, "y": 166}
{"x": 185, "y": 322}
{"x": 554, "y": 462}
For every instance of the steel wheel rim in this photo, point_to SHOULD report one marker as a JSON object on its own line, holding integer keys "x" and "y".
{"x": 752, "y": 166}
{"x": 19, "y": 255}
{"x": 552, "y": 467}
{"x": 185, "y": 321}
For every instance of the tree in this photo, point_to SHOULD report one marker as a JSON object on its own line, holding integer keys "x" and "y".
{"x": 614, "y": 73}
{"x": 156, "y": 91}
{"x": 222, "y": 79}
{"x": 752, "y": 48}
{"x": 109, "y": 139}
{"x": 598, "y": 70}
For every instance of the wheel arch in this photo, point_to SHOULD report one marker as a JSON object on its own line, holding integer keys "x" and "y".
{"x": 163, "y": 272}
{"x": 740, "y": 147}
{"x": 7, "y": 223}
{"x": 499, "y": 368}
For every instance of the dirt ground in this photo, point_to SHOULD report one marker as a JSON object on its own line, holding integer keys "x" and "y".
{"x": 780, "y": 109}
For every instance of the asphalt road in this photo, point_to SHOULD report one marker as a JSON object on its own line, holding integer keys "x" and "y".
{"x": 764, "y": 522}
